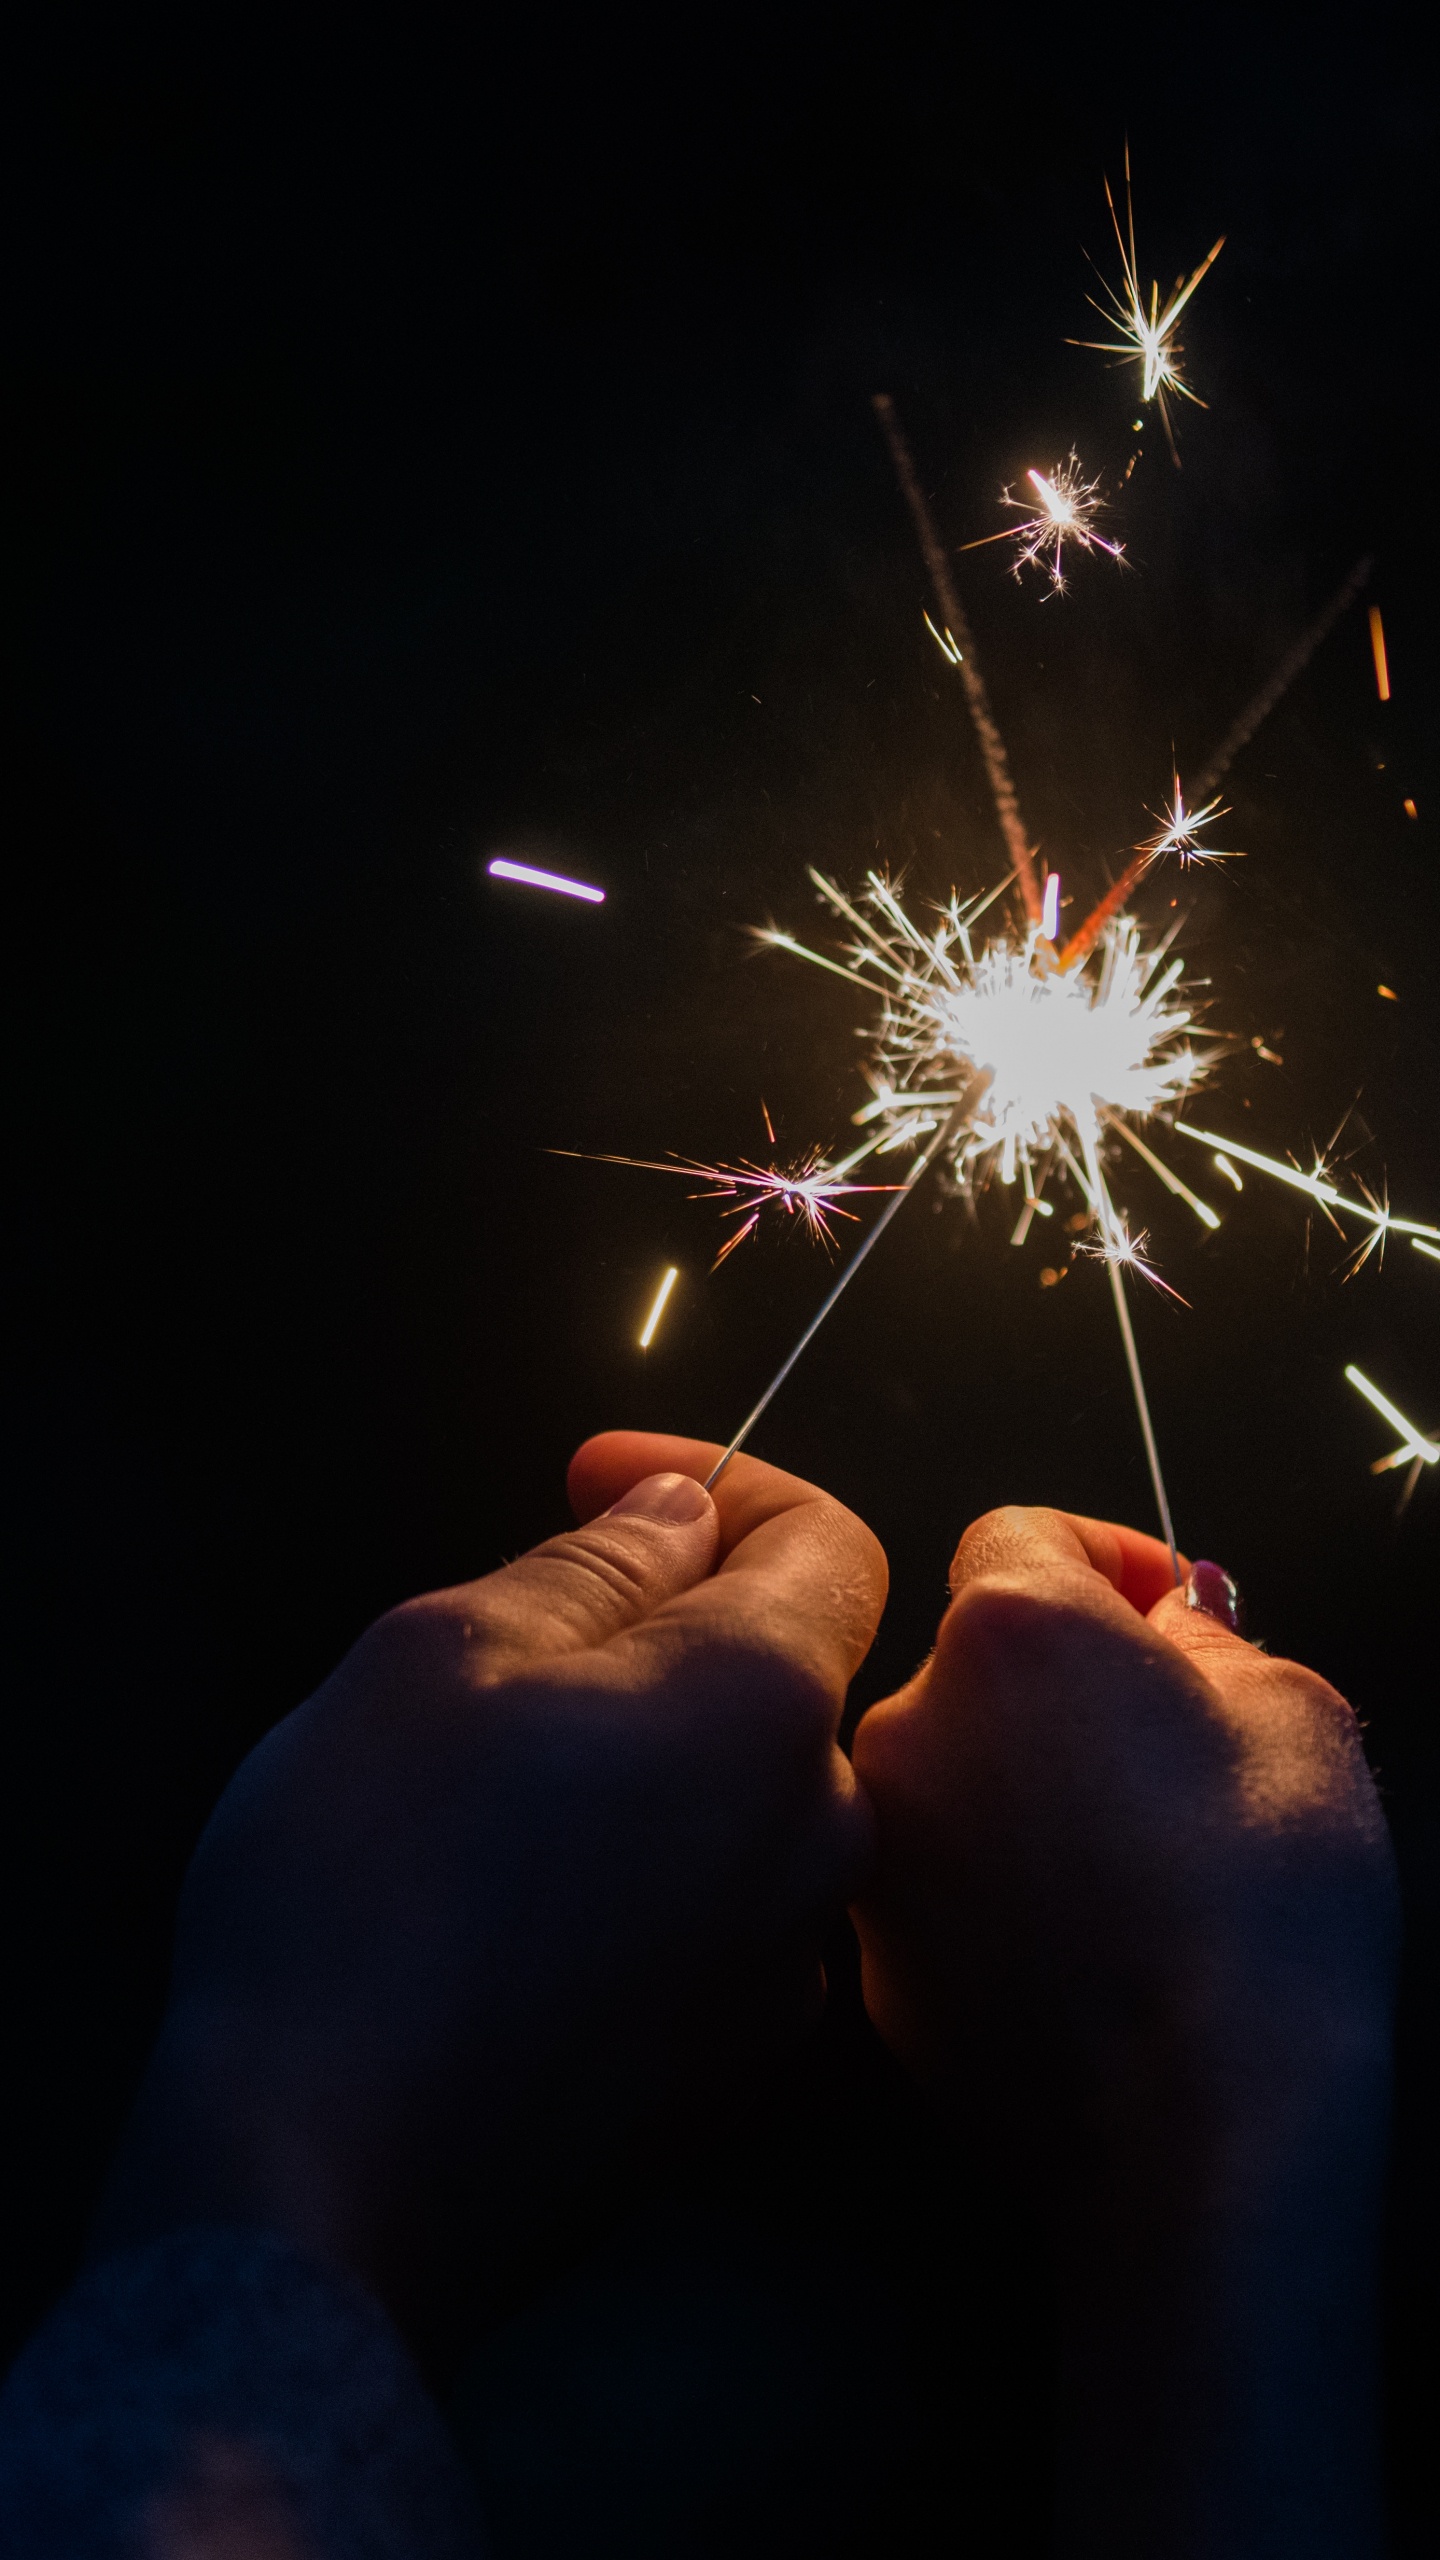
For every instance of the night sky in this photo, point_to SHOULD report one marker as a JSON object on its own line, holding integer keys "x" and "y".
{"x": 441, "y": 445}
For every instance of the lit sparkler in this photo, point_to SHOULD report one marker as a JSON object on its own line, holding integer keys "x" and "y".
{"x": 1065, "y": 505}
{"x": 1147, "y": 335}
{"x": 1016, "y": 1069}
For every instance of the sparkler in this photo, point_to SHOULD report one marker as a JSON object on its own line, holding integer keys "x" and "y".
{"x": 1148, "y": 337}
{"x": 1067, "y": 505}
{"x": 1015, "y": 1068}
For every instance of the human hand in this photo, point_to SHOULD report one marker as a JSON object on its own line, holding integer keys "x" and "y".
{"x": 1135, "y": 1916}
{"x": 533, "y": 1880}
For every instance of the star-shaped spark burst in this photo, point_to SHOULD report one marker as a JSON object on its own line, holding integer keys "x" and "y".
{"x": 1147, "y": 335}
{"x": 1066, "y": 505}
{"x": 810, "y": 1189}
{"x": 1179, "y": 833}
{"x": 1125, "y": 1252}
{"x": 1028, "y": 1066}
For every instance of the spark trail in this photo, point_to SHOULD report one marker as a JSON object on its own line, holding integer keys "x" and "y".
{"x": 953, "y": 615}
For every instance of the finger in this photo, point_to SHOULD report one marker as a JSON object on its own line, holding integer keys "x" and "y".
{"x": 747, "y": 1494}
{"x": 795, "y": 1603}
{"x": 1036, "y": 1541}
{"x": 1204, "y": 1638}
{"x": 578, "y": 1590}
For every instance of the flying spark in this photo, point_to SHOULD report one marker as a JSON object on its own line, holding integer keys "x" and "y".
{"x": 1179, "y": 833}
{"x": 1147, "y": 335}
{"x": 532, "y": 879}
{"x": 1375, "y": 1214}
{"x": 1415, "y": 1443}
{"x": 1012, "y": 1068}
{"x": 811, "y": 1189}
{"x": 658, "y": 1306}
{"x": 1377, "y": 652}
{"x": 1065, "y": 508}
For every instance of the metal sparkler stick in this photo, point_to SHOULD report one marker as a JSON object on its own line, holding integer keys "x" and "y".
{"x": 892, "y": 1208}
{"x": 1110, "y": 1235}
{"x": 992, "y": 745}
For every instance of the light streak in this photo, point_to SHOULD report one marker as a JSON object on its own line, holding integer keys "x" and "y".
{"x": 1068, "y": 505}
{"x": 503, "y": 869}
{"x": 1420, "y": 1246}
{"x": 1414, "y": 1443}
{"x": 658, "y": 1306}
{"x": 1013, "y": 1069}
{"x": 1147, "y": 336}
{"x": 1226, "y": 1167}
{"x": 1050, "y": 907}
{"x": 1377, "y": 652}
{"x": 1375, "y": 1214}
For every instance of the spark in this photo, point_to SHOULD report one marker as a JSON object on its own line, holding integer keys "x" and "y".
{"x": 658, "y": 1306}
{"x": 1377, "y": 652}
{"x": 1062, "y": 1054}
{"x": 810, "y": 1189}
{"x": 1376, "y": 1214}
{"x": 944, "y": 642}
{"x": 1011, "y": 1068}
{"x": 1125, "y": 1252}
{"x": 532, "y": 879}
{"x": 1226, "y": 1167}
{"x": 1147, "y": 335}
{"x": 1066, "y": 506}
{"x": 1433, "y": 1250}
{"x": 1050, "y": 907}
{"x": 1414, "y": 1443}
{"x": 1179, "y": 833}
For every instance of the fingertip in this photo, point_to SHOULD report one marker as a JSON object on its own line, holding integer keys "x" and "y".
{"x": 1137, "y": 1565}
{"x": 605, "y": 1467}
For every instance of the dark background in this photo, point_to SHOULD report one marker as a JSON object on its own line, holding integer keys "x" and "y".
{"x": 443, "y": 443}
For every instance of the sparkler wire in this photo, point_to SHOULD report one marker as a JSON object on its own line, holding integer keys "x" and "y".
{"x": 992, "y": 745}
{"x": 1110, "y": 1235}
{"x": 891, "y": 1209}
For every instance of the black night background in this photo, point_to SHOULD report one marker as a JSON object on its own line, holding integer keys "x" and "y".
{"x": 453, "y": 440}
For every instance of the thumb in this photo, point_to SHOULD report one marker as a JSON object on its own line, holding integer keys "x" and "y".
{"x": 578, "y": 1590}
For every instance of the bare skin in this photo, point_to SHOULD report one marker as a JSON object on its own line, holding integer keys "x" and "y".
{"x": 531, "y": 1883}
{"x": 1136, "y": 1914}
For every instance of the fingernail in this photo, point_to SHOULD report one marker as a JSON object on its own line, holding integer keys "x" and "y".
{"x": 1210, "y": 1588}
{"x": 673, "y": 1499}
